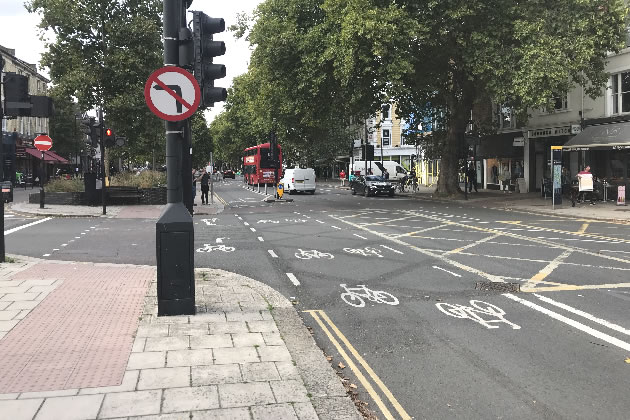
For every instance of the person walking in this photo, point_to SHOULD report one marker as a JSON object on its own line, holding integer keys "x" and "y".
{"x": 194, "y": 187}
{"x": 204, "y": 179}
{"x": 342, "y": 177}
{"x": 472, "y": 177}
{"x": 385, "y": 175}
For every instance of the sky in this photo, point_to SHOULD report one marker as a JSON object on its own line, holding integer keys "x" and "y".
{"x": 15, "y": 19}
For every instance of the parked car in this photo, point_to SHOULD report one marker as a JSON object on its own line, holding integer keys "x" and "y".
{"x": 371, "y": 185}
{"x": 299, "y": 180}
{"x": 228, "y": 173}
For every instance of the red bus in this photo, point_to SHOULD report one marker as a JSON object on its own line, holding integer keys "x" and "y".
{"x": 258, "y": 165}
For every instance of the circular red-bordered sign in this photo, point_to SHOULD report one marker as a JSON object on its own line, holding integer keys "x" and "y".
{"x": 172, "y": 93}
{"x": 42, "y": 143}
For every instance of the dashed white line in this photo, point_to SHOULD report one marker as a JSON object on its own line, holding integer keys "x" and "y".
{"x": 335, "y": 227}
{"x": 260, "y": 238}
{"x": 449, "y": 272}
{"x": 246, "y": 224}
{"x": 359, "y": 236}
{"x": 252, "y": 229}
{"x": 46, "y": 255}
{"x": 293, "y": 279}
{"x": 273, "y": 254}
{"x": 64, "y": 244}
{"x": 319, "y": 221}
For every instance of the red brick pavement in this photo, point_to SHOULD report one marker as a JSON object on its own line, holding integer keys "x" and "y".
{"x": 81, "y": 334}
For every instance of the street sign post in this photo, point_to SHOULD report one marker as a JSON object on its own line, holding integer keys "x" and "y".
{"x": 556, "y": 189}
{"x": 172, "y": 93}
{"x": 42, "y": 143}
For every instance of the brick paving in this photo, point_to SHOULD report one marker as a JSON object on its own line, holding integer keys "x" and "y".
{"x": 73, "y": 357}
{"x": 81, "y": 332}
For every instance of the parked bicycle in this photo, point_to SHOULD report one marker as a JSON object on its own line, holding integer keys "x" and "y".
{"x": 355, "y": 296}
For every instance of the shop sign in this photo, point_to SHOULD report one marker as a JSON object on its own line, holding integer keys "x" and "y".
{"x": 518, "y": 141}
{"x": 621, "y": 195}
{"x": 576, "y": 129}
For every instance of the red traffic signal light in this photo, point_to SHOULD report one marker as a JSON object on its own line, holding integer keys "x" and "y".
{"x": 110, "y": 138}
{"x": 109, "y": 132}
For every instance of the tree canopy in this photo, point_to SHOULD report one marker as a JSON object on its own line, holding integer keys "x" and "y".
{"x": 319, "y": 64}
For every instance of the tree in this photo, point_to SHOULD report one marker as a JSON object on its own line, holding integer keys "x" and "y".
{"x": 202, "y": 144}
{"x": 64, "y": 126}
{"x": 102, "y": 54}
{"x": 451, "y": 54}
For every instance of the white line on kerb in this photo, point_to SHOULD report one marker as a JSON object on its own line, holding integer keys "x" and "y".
{"x": 10, "y": 231}
{"x": 260, "y": 238}
{"x": 597, "y": 334}
{"x": 449, "y": 272}
{"x": 392, "y": 249}
{"x": 359, "y": 236}
{"x": 252, "y": 229}
{"x": 273, "y": 254}
{"x": 293, "y": 279}
{"x": 584, "y": 314}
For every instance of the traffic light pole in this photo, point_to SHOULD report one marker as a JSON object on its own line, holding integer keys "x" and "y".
{"x": 2, "y": 249}
{"x": 174, "y": 228}
{"x": 102, "y": 145}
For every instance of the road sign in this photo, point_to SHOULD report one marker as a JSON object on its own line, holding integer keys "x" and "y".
{"x": 43, "y": 143}
{"x": 172, "y": 93}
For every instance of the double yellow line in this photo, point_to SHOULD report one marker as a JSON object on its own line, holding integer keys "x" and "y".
{"x": 335, "y": 337}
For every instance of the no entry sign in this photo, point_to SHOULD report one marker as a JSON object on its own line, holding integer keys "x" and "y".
{"x": 172, "y": 93}
{"x": 42, "y": 143}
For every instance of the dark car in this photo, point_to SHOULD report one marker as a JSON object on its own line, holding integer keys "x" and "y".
{"x": 371, "y": 185}
{"x": 228, "y": 173}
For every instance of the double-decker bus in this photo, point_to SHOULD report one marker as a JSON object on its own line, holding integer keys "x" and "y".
{"x": 258, "y": 165}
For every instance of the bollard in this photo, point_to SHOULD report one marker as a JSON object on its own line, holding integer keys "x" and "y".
{"x": 258, "y": 186}
{"x": 265, "y": 188}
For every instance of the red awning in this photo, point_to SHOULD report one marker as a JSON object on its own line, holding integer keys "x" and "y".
{"x": 50, "y": 157}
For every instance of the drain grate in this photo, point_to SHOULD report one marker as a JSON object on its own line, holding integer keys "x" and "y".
{"x": 498, "y": 287}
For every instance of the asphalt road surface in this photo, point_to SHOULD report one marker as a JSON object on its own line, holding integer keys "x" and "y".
{"x": 418, "y": 300}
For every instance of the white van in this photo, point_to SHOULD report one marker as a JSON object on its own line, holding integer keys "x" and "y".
{"x": 395, "y": 169}
{"x": 297, "y": 179}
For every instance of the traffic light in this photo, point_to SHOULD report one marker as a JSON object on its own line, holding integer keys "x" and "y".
{"x": 17, "y": 101}
{"x": 110, "y": 138}
{"x": 204, "y": 27}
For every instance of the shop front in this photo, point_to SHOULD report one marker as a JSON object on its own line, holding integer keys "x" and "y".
{"x": 500, "y": 158}
{"x": 606, "y": 149}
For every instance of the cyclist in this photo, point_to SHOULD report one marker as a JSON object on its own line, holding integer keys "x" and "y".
{"x": 402, "y": 183}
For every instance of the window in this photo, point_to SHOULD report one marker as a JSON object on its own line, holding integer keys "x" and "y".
{"x": 504, "y": 117}
{"x": 621, "y": 93}
{"x": 386, "y": 137}
{"x": 560, "y": 102}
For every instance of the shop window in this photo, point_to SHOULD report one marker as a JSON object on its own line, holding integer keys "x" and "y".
{"x": 620, "y": 93}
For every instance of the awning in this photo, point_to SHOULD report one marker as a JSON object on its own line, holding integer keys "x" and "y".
{"x": 499, "y": 146}
{"x": 605, "y": 136}
{"x": 50, "y": 157}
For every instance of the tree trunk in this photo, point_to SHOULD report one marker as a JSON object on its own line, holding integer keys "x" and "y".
{"x": 459, "y": 106}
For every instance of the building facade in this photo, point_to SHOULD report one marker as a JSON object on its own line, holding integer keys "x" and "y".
{"x": 18, "y": 133}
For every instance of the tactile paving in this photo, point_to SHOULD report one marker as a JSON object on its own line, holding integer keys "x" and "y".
{"x": 81, "y": 334}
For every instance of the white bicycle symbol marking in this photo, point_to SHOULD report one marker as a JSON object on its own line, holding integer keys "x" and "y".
{"x": 313, "y": 253}
{"x": 210, "y": 222}
{"x": 366, "y": 252}
{"x": 269, "y": 221}
{"x": 355, "y": 296}
{"x": 474, "y": 311}
{"x": 210, "y": 248}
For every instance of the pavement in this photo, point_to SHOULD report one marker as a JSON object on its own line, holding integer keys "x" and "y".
{"x": 82, "y": 340}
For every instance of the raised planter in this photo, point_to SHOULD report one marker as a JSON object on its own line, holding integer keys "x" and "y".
{"x": 147, "y": 196}
{"x": 66, "y": 198}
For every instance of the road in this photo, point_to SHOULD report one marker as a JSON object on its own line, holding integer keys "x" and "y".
{"x": 418, "y": 300}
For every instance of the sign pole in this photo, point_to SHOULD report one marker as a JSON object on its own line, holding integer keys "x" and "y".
{"x": 211, "y": 179}
{"x": 2, "y": 249}
{"x": 41, "y": 183}
{"x": 556, "y": 174}
{"x": 174, "y": 229}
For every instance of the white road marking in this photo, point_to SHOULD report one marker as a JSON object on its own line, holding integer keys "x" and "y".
{"x": 64, "y": 244}
{"x": 46, "y": 255}
{"x": 588, "y": 316}
{"x": 252, "y": 229}
{"x": 246, "y": 224}
{"x": 55, "y": 249}
{"x": 335, "y": 227}
{"x": 449, "y": 272}
{"x": 359, "y": 236}
{"x": 319, "y": 221}
{"x": 15, "y": 229}
{"x": 293, "y": 279}
{"x": 77, "y": 237}
{"x": 392, "y": 249}
{"x": 260, "y": 238}
{"x": 575, "y": 324}
{"x": 273, "y": 254}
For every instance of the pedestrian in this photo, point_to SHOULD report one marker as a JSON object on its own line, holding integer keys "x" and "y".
{"x": 472, "y": 177}
{"x": 505, "y": 179}
{"x": 385, "y": 174}
{"x": 370, "y": 171}
{"x": 194, "y": 187}
{"x": 204, "y": 178}
{"x": 342, "y": 177}
{"x": 585, "y": 184}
